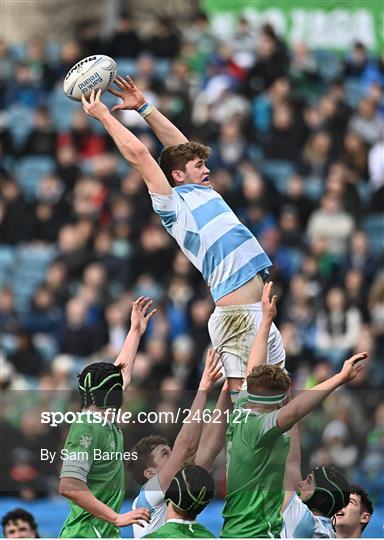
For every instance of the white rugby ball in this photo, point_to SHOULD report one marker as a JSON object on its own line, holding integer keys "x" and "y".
{"x": 92, "y": 73}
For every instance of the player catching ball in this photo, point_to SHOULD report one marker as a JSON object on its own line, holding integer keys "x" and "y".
{"x": 229, "y": 257}
{"x": 96, "y": 487}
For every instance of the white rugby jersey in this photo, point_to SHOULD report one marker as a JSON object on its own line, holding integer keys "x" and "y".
{"x": 299, "y": 522}
{"x": 151, "y": 496}
{"x": 211, "y": 236}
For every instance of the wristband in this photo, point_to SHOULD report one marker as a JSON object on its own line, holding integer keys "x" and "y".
{"x": 145, "y": 109}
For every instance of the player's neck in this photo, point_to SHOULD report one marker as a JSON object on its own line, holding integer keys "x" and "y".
{"x": 258, "y": 407}
{"x": 346, "y": 532}
{"x": 174, "y": 514}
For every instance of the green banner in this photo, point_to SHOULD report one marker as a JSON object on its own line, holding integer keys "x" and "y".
{"x": 331, "y": 24}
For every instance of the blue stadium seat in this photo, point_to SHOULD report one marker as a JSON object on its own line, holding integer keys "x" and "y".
{"x": 353, "y": 92}
{"x": 279, "y": 172}
{"x": 126, "y": 66}
{"x": 329, "y": 64}
{"x": 29, "y": 172}
{"x": 373, "y": 226}
{"x": 19, "y": 120}
{"x": 364, "y": 191}
{"x": 52, "y": 50}
{"x": 62, "y": 109}
{"x": 7, "y": 263}
{"x": 29, "y": 271}
{"x": 18, "y": 51}
{"x": 313, "y": 187}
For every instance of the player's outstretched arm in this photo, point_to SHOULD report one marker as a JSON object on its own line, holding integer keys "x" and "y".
{"x": 213, "y": 436}
{"x": 292, "y": 475}
{"x": 133, "y": 99}
{"x": 259, "y": 351}
{"x": 301, "y": 405}
{"x": 79, "y": 493}
{"x": 139, "y": 319}
{"x": 187, "y": 441}
{"x": 131, "y": 148}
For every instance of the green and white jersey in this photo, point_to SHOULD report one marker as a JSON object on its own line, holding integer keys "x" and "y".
{"x": 257, "y": 452}
{"x": 93, "y": 453}
{"x": 181, "y": 528}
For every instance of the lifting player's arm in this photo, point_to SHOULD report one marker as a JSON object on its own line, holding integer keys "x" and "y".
{"x": 292, "y": 475}
{"x": 131, "y": 148}
{"x": 79, "y": 493}
{"x": 259, "y": 350}
{"x": 139, "y": 320}
{"x": 303, "y": 404}
{"x": 133, "y": 99}
{"x": 213, "y": 436}
{"x": 187, "y": 441}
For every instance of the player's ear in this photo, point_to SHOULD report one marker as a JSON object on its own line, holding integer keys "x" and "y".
{"x": 365, "y": 517}
{"x": 178, "y": 177}
{"x": 149, "y": 473}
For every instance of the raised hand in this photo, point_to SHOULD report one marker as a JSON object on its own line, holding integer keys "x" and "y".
{"x": 140, "y": 315}
{"x": 268, "y": 304}
{"x": 351, "y": 368}
{"x": 212, "y": 370}
{"x": 94, "y": 107}
{"x": 134, "y": 517}
{"x": 129, "y": 93}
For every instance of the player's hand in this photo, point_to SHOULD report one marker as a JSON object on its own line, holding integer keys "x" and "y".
{"x": 134, "y": 517}
{"x": 351, "y": 368}
{"x": 268, "y": 304}
{"x": 132, "y": 98}
{"x": 140, "y": 315}
{"x": 212, "y": 370}
{"x": 94, "y": 107}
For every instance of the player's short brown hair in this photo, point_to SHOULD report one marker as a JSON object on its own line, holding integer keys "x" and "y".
{"x": 144, "y": 449}
{"x": 175, "y": 158}
{"x": 268, "y": 380}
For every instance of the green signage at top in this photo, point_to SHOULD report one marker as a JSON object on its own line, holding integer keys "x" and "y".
{"x": 331, "y": 24}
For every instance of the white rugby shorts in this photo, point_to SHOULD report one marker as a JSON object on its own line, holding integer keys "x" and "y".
{"x": 232, "y": 330}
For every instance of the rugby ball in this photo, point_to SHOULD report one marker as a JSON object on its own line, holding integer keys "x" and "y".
{"x": 92, "y": 73}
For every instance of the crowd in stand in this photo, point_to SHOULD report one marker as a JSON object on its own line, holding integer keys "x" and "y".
{"x": 298, "y": 146}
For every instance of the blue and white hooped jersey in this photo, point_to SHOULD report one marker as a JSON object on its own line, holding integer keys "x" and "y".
{"x": 211, "y": 236}
{"x": 151, "y": 496}
{"x": 299, "y": 522}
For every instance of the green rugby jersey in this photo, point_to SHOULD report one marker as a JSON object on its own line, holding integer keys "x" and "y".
{"x": 180, "y": 528}
{"x": 88, "y": 455}
{"x": 257, "y": 451}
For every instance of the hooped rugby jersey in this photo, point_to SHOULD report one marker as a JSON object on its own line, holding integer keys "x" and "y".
{"x": 211, "y": 236}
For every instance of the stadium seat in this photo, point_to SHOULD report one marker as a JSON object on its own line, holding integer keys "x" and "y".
{"x": 329, "y": 64}
{"x": 52, "y": 50}
{"x": 353, "y": 92}
{"x": 364, "y": 191}
{"x": 279, "y": 172}
{"x": 30, "y": 265}
{"x": 19, "y": 120}
{"x": 126, "y": 66}
{"x": 7, "y": 263}
{"x": 313, "y": 187}
{"x": 29, "y": 172}
{"x": 61, "y": 109}
{"x": 373, "y": 226}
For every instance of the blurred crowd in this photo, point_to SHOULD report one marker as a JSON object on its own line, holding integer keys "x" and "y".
{"x": 298, "y": 151}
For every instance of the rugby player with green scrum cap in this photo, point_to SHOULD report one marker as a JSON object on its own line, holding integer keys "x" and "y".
{"x": 258, "y": 440}
{"x": 96, "y": 487}
{"x": 189, "y": 493}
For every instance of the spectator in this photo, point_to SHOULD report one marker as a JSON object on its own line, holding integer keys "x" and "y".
{"x": 165, "y": 43}
{"x": 366, "y": 122}
{"x": 42, "y": 139}
{"x": 125, "y": 41}
{"x": 333, "y": 223}
{"x": 19, "y": 523}
{"x": 337, "y": 327}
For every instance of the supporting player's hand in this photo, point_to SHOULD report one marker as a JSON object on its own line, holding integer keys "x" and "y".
{"x": 268, "y": 304}
{"x": 351, "y": 368}
{"x": 140, "y": 315}
{"x": 94, "y": 107}
{"x": 134, "y": 517}
{"x": 129, "y": 93}
{"x": 212, "y": 370}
